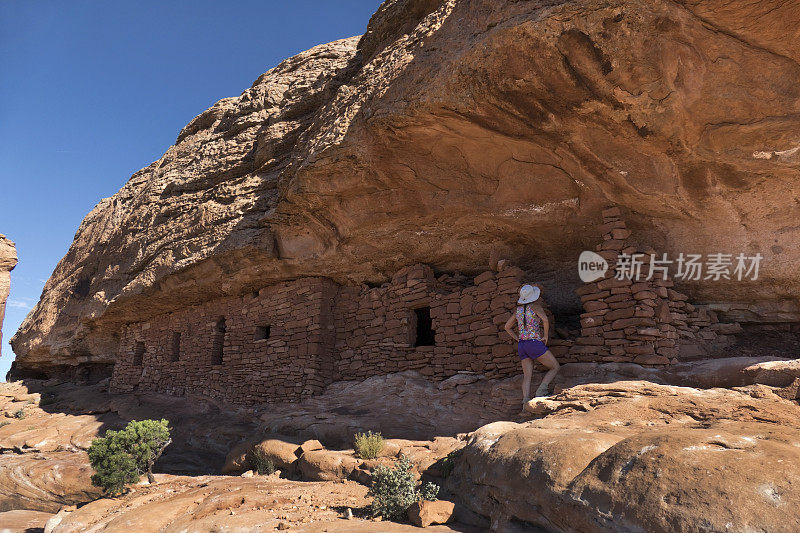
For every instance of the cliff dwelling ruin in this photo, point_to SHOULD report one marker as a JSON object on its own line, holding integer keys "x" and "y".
{"x": 290, "y": 340}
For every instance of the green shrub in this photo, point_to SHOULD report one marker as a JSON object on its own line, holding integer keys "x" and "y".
{"x": 4, "y": 423}
{"x": 428, "y": 491}
{"x": 20, "y": 414}
{"x": 261, "y": 463}
{"x": 393, "y": 490}
{"x": 121, "y": 457}
{"x": 369, "y": 444}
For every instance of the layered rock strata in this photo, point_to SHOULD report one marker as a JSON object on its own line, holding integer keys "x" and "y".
{"x": 8, "y": 260}
{"x": 450, "y": 129}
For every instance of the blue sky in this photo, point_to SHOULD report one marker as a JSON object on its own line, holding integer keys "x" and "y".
{"x": 92, "y": 91}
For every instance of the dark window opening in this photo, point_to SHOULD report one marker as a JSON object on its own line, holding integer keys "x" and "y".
{"x": 176, "y": 347}
{"x": 425, "y": 334}
{"x": 262, "y": 333}
{"x": 138, "y": 353}
{"x": 218, "y": 343}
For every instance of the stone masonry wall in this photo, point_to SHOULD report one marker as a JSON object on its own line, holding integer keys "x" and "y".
{"x": 319, "y": 333}
{"x": 294, "y": 361}
{"x": 376, "y": 327}
{"x": 642, "y": 320}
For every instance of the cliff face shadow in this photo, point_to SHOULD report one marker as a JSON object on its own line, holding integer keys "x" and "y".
{"x": 202, "y": 432}
{"x": 404, "y": 405}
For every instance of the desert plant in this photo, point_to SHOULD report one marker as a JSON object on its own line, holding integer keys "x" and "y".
{"x": 393, "y": 490}
{"x": 122, "y": 456}
{"x": 4, "y": 423}
{"x": 428, "y": 491}
{"x": 261, "y": 462}
{"x": 20, "y": 414}
{"x": 369, "y": 444}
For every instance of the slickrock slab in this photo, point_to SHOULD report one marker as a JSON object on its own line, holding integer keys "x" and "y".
{"x": 23, "y": 521}
{"x": 211, "y": 503}
{"x": 581, "y": 422}
{"x": 639, "y": 456}
{"x": 45, "y": 482}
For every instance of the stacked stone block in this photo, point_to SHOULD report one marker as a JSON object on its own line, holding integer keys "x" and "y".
{"x": 376, "y": 326}
{"x": 321, "y": 332}
{"x": 643, "y": 320}
{"x": 295, "y": 361}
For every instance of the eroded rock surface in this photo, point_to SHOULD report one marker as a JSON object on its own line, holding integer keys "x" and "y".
{"x": 450, "y": 129}
{"x": 406, "y": 405}
{"x": 8, "y": 260}
{"x": 637, "y": 456}
{"x": 604, "y": 456}
{"x": 216, "y": 503}
{"x": 23, "y": 521}
{"x": 45, "y": 482}
{"x": 199, "y": 207}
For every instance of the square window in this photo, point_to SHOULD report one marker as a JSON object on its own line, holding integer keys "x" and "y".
{"x": 262, "y": 333}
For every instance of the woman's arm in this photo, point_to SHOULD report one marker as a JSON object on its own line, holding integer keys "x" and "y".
{"x": 545, "y": 322}
{"x": 509, "y": 327}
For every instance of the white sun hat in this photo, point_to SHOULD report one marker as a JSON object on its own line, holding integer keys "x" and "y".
{"x": 528, "y": 294}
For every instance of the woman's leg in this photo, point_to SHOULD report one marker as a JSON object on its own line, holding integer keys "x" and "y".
{"x": 527, "y": 374}
{"x": 548, "y": 360}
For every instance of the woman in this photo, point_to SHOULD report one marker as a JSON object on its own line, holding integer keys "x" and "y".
{"x": 534, "y": 331}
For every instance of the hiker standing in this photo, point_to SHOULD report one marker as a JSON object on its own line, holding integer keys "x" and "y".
{"x": 534, "y": 333}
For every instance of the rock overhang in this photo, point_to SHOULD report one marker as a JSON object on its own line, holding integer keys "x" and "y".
{"x": 479, "y": 126}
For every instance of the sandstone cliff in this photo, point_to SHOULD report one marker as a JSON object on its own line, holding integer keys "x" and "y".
{"x": 8, "y": 260}
{"x": 449, "y": 129}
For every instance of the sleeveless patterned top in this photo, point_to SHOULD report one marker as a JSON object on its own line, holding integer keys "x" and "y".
{"x": 529, "y": 323}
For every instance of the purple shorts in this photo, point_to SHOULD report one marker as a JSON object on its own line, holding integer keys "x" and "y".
{"x": 530, "y": 348}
